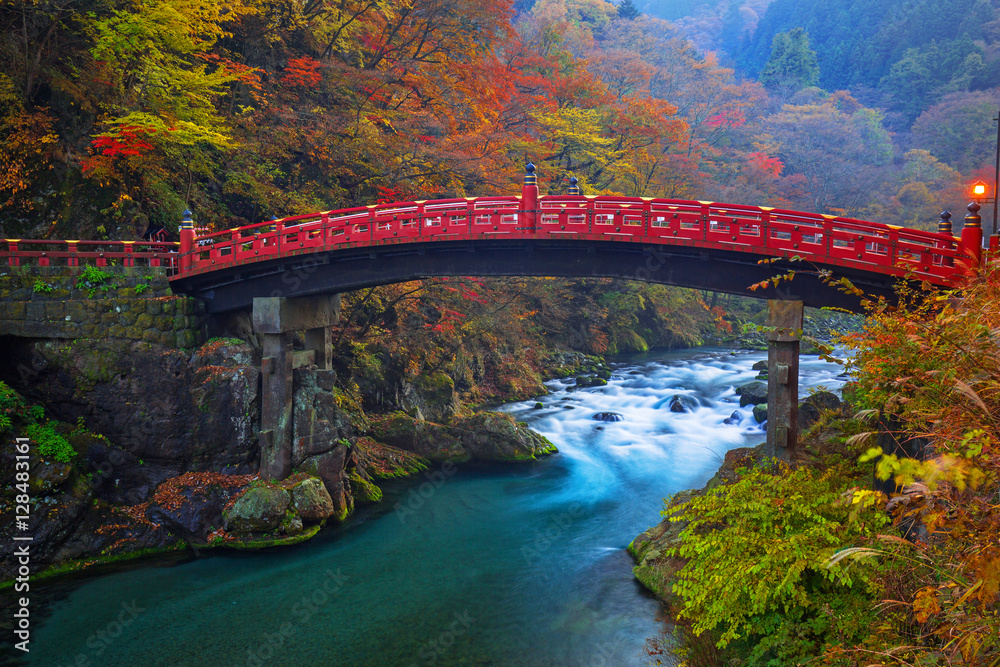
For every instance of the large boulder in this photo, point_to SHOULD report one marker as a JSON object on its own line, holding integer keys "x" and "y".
{"x": 331, "y": 468}
{"x": 430, "y": 397}
{"x": 815, "y": 405}
{"x": 497, "y": 436}
{"x": 380, "y": 461}
{"x": 191, "y": 505}
{"x": 259, "y": 509}
{"x": 752, "y": 393}
{"x": 431, "y": 441}
{"x": 312, "y": 501}
{"x": 760, "y": 412}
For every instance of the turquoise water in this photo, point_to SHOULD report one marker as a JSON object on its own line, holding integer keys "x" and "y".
{"x": 487, "y": 565}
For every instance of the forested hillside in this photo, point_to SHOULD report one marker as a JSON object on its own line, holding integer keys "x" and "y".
{"x": 899, "y": 54}
{"x": 118, "y": 114}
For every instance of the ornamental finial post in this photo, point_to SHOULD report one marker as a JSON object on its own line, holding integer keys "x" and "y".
{"x": 972, "y": 236}
{"x": 944, "y": 224}
{"x": 187, "y": 240}
{"x": 529, "y": 198}
{"x": 574, "y": 187}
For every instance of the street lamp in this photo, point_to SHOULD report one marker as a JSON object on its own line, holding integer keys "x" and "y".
{"x": 979, "y": 196}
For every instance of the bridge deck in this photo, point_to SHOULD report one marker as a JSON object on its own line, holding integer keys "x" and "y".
{"x": 681, "y": 242}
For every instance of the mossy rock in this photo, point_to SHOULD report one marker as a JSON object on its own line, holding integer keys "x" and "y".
{"x": 311, "y": 500}
{"x": 266, "y": 542}
{"x": 364, "y": 492}
{"x": 630, "y": 341}
{"x": 381, "y": 461}
{"x": 432, "y": 441}
{"x": 259, "y": 509}
{"x": 497, "y": 436}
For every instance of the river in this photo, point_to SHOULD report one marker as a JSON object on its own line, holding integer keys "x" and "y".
{"x": 484, "y": 565}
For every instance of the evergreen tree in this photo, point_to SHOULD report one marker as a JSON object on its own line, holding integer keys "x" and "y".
{"x": 792, "y": 65}
{"x": 628, "y": 10}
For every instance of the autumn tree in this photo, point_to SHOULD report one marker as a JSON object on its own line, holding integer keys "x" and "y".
{"x": 841, "y": 155}
{"x": 28, "y": 143}
{"x": 918, "y": 192}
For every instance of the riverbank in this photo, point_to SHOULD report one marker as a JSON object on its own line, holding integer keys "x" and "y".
{"x": 742, "y": 563}
{"x": 533, "y": 552}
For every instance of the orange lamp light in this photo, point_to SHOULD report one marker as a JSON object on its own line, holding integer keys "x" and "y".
{"x": 979, "y": 189}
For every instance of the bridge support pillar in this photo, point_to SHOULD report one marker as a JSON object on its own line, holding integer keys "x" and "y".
{"x": 275, "y": 319}
{"x": 276, "y": 406}
{"x": 784, "y": 318}
{"x": 319, "y": 341}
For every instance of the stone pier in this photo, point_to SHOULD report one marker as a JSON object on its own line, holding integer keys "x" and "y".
{"x": 276, "y": 319}
{"x": 784, "y": 321}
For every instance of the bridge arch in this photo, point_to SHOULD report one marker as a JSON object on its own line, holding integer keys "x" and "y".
{"x": 704, "y": 245}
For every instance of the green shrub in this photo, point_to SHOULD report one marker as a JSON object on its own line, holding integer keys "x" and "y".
{"x": 12, "y": 406}
{"x": 93, "y": 279}
{"x": 41, "y": 286}
{"x": 755, "y": 572}
{"x": 49, "y": 444}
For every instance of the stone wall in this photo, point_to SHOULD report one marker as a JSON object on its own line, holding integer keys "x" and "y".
{"x": 134, "y": 304}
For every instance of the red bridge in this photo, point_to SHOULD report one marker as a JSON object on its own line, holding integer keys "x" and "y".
{"x": 696, "y": 244}
{"x": 688, "y": 243}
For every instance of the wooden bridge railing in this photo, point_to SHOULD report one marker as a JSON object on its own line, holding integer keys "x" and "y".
{"x": 937, "y": 257}
{"x": 128, "y": 254}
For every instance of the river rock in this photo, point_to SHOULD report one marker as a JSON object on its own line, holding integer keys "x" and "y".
{"x": 85, "y": 531}
{"x": 260, "y": 509}
{"x": 752, "y": 393}
{"x": 431, "y": 441}
{"x": 760, "y": 365}
{"x": 312, "y": 501}
{"x": 430, "y": 397}
{"x": 734, "y": 418}
{"x": 363, "y": 491}
{"x": 760, "y": 412}
{"x": 191, "y": 505}
{"x": 609, "y": 417}
{"x": 293, "y": 526}
{"x": 331, "y": 468}
{"x": 497, "y": 436}
{"x": 380, "y": 461}
{"x": 676, "y": 405}
{"x": 812, "y": 407}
